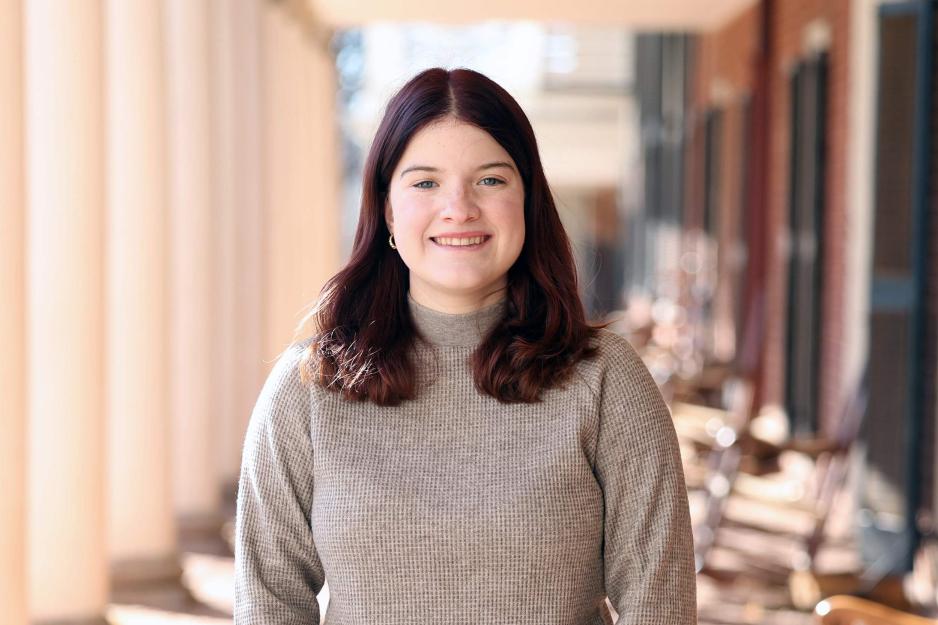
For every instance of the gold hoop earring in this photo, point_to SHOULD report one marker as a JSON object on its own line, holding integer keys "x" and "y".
{"x": 391, "y": 242}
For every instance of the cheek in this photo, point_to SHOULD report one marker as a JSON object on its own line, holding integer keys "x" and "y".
{"x": 411, "y": 219}
{"x": 511, "y": 223}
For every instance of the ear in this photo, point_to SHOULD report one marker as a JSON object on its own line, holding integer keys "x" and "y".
{"x": 388, "y": 214}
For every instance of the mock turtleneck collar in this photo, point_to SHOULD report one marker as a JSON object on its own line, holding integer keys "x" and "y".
{"x": 463, "y": 329}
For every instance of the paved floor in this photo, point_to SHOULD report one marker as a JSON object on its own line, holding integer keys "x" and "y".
{"x": 746, "y": 581}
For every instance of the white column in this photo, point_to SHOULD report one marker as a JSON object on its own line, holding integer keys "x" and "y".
{"x": 251, "y": 179}
{"x": 303, "y": 231}
{"x": 861, "y": 146}
{"x": 142, "y": 533}
{"x": 325, "y": 141}
{"x": 65, "y": 173}
{"x": 226, "y": 223}
{"x": 12, "y": 319}
{"x": 281, "y": 117}
{"x": 239, "y": 224}
{"x": 193, "y": 277}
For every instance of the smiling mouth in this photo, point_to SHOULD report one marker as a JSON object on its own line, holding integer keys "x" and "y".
{"x": 461, "y": 243}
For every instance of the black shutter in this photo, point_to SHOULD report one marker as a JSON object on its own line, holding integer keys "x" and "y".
{"x": 889, "y": 492}
{"x": 806, "y": 236}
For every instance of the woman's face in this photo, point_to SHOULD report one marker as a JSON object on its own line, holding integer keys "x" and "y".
{"x": 456, "y": 209}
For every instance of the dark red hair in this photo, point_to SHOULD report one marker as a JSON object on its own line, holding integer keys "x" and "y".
{"x": 364, "y": 330}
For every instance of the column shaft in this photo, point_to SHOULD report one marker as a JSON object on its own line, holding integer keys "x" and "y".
{"x": 193, "y": 259}
{"x": 241, "y": 258}
{"x": 12, "y": 319}
{"x": 303, "y": 230}
{"x": 325, "y": 137}
{"x": 65, "y": 174}
{"x": 141, "y": 524}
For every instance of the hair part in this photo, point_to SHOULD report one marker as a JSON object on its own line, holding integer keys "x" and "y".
{"x": 364, "y": 332}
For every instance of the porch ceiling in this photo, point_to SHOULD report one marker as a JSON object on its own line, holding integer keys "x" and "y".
{"x": 638, "y": 14}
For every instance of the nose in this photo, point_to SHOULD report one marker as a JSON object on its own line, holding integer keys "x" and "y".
{"x": 460, "y": 206}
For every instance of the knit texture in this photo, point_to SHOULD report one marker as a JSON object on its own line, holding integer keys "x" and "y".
{"x": 455, "y": 508}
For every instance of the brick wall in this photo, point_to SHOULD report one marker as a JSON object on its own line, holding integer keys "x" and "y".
{"x": 725, "y": 71}
{"x": 724, "y": 79}
{"x": 790, "y": 22}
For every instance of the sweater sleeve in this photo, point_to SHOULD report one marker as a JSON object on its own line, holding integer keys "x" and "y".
{"x": 277, "y": 569}
{"x": 648, "y": 546}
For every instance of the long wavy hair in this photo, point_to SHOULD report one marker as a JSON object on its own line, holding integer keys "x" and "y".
{"x": 364, "y": 332}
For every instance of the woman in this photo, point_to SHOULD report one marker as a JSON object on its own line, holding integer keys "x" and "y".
{"x": 456, "y": 444}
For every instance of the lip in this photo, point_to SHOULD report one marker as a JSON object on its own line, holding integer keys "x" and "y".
{"x": 473, "y": 233}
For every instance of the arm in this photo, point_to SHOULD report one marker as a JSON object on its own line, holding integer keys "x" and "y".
{"x": 648, "y": 546}
{"x": 277, "y": 569}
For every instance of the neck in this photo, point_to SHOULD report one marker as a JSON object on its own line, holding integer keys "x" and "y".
{"x": 455, "y": 329}
{"x": 455, "y": 304}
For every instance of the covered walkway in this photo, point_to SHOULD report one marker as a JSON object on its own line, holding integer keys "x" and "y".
{"x": 171, "y": 198}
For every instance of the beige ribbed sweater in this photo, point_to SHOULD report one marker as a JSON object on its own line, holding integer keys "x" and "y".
{"x": 457, "y": 509}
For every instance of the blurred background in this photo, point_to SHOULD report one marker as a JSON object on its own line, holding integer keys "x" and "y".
{"x": 748, "y": 184}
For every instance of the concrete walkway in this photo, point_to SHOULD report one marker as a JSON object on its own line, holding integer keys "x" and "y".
{"x": 745, "y": 583}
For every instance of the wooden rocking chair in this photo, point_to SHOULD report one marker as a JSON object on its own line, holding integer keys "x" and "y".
{"x": 733, "y": 445}
{"x": 847, "y": 610}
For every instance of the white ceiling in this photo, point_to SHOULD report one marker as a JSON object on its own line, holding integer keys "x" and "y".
{"x": 637, "y": 14}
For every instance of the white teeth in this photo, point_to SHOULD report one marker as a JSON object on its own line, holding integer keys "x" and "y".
{"x": 458, "y": 242}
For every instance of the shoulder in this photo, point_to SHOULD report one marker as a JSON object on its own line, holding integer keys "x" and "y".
{"x": 284, "y": 387}
{"x": 288, "y": 363}
{"x": 615, "y": 348}
{"x": 615, "y": 356}
{"x": 278, "y": 430}
{"x": 634, "y": 419}
{"x": 620, "y": 373}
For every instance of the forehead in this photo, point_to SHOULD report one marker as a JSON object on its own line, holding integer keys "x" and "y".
{"x": 450, "y": 142}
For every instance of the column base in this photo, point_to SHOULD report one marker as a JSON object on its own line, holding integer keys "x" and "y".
{"x": 131, "y": 572}
{"x": 96, "y": 620}
{"x": 204, "y": 533}
{"x": 150, "y": 581}
{"x": 203, "y": 523}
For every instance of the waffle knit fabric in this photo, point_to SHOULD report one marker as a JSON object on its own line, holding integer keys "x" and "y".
{"x": 455, "y": 508}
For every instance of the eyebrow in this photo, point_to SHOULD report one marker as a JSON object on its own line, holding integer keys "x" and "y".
{"x": 491, "y": 165}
